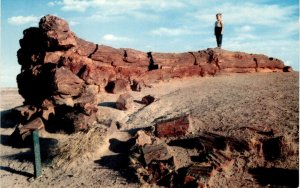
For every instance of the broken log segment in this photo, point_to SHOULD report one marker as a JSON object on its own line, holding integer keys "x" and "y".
{"x": 198, "y": 175}
{"x": 22, "y": 133}
{"x": 177, "y": 126}
{"x": 219, "y": 160}
{"x": 273, "y": 148}
{"x": 67, "y": 83}
{"x": 26, "y": 112}
{"x": 157, "y": 152}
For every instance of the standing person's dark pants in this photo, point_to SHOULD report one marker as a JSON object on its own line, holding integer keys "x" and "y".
{"x": 219, "y": 36}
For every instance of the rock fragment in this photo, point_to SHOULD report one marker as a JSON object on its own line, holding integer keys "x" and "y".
{"x": 124, "y": 102}
{"x": 148, "y": 99}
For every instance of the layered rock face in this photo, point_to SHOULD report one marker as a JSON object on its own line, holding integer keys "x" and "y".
{"x": 62, "y": 74}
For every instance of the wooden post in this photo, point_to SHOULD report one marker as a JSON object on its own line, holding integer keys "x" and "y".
{"x": 37, "y": 154}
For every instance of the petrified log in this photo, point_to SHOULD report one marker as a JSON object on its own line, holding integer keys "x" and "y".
{"x": 177, "y": 126}
{"x": 207, "y": 141}
{"x": 198, "y": 175}
{"x": 273, "y": 148}
{"x": 219, "y": 161}
{"x": 67, "y": 83}
{"x": 22, "y": 132}
{"x": 26, "y": 112}
{"x": 238, "y": 145}
{"x": 151, "y": 159}
{"x": 157, "y": 152}
{"x": 57, "y": 66}
{"x": 160, "y": 172}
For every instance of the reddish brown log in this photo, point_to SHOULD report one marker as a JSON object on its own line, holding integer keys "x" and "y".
{"x": 273, "y": 148}
{"x": 26, "y": 111}
{"x": 177, "y": 126}
{"x": 198, "y": 175}
{"x": 157, "y": 152}
{"x": 22, "y": 132}
{"x": 67, "y": 83}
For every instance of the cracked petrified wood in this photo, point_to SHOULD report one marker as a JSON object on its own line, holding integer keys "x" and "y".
{"x": 177, "y": 126}
{"x": 61, "y": 74}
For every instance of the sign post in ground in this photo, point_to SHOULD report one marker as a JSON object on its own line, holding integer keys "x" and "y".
{"x": 37, "y": 154}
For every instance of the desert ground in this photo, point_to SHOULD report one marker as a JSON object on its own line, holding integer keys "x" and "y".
{"x": 236, "y": 105}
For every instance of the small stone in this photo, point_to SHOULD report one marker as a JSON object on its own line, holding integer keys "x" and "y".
{"x": 148, "y": 99}
{"x": 124, "y": 102}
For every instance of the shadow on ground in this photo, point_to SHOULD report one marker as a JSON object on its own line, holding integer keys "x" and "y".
{"x": 46, "y": 146}
{"x": 118, "y": 146}
{"x": 276, "y": 176}
{"x": 120, "y": 161}
{"x": 8, "y": 169}
{"x": 8, "y": 119}
{"x": 108, "y": 104}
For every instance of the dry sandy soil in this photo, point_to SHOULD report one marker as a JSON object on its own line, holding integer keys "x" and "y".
{"x": 228, "y": 104}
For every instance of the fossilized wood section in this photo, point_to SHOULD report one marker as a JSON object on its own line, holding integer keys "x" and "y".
{"x": 197, "y": 175}
{"x": 177, "y": 126}
{"x": 155, "y": 152}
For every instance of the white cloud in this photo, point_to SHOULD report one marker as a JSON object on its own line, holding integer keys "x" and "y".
{"x": 104, "y": 17}
{"x": 111, "y": 37}
{"x": 76, "y": 5}
{"x": 51, "y": 4}
{"x": 129, "y": 5}
{"x": 245, "y": 28}
{"x": 144, "y": 16}
{"x": 73, "y": 23}
{"x": 54, "y": 3}
{"x": 22, "y": 20}
{"x": 170, "y": 31}
{"x": 246, "y": 13}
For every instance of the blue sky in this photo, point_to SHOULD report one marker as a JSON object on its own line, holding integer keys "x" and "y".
{"x": 268, "y": 27}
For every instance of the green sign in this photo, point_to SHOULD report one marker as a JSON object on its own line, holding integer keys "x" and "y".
{"x": 37, "y": 154}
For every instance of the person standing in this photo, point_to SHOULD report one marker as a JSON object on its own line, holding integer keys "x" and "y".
{"x": 219, "y": 29}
